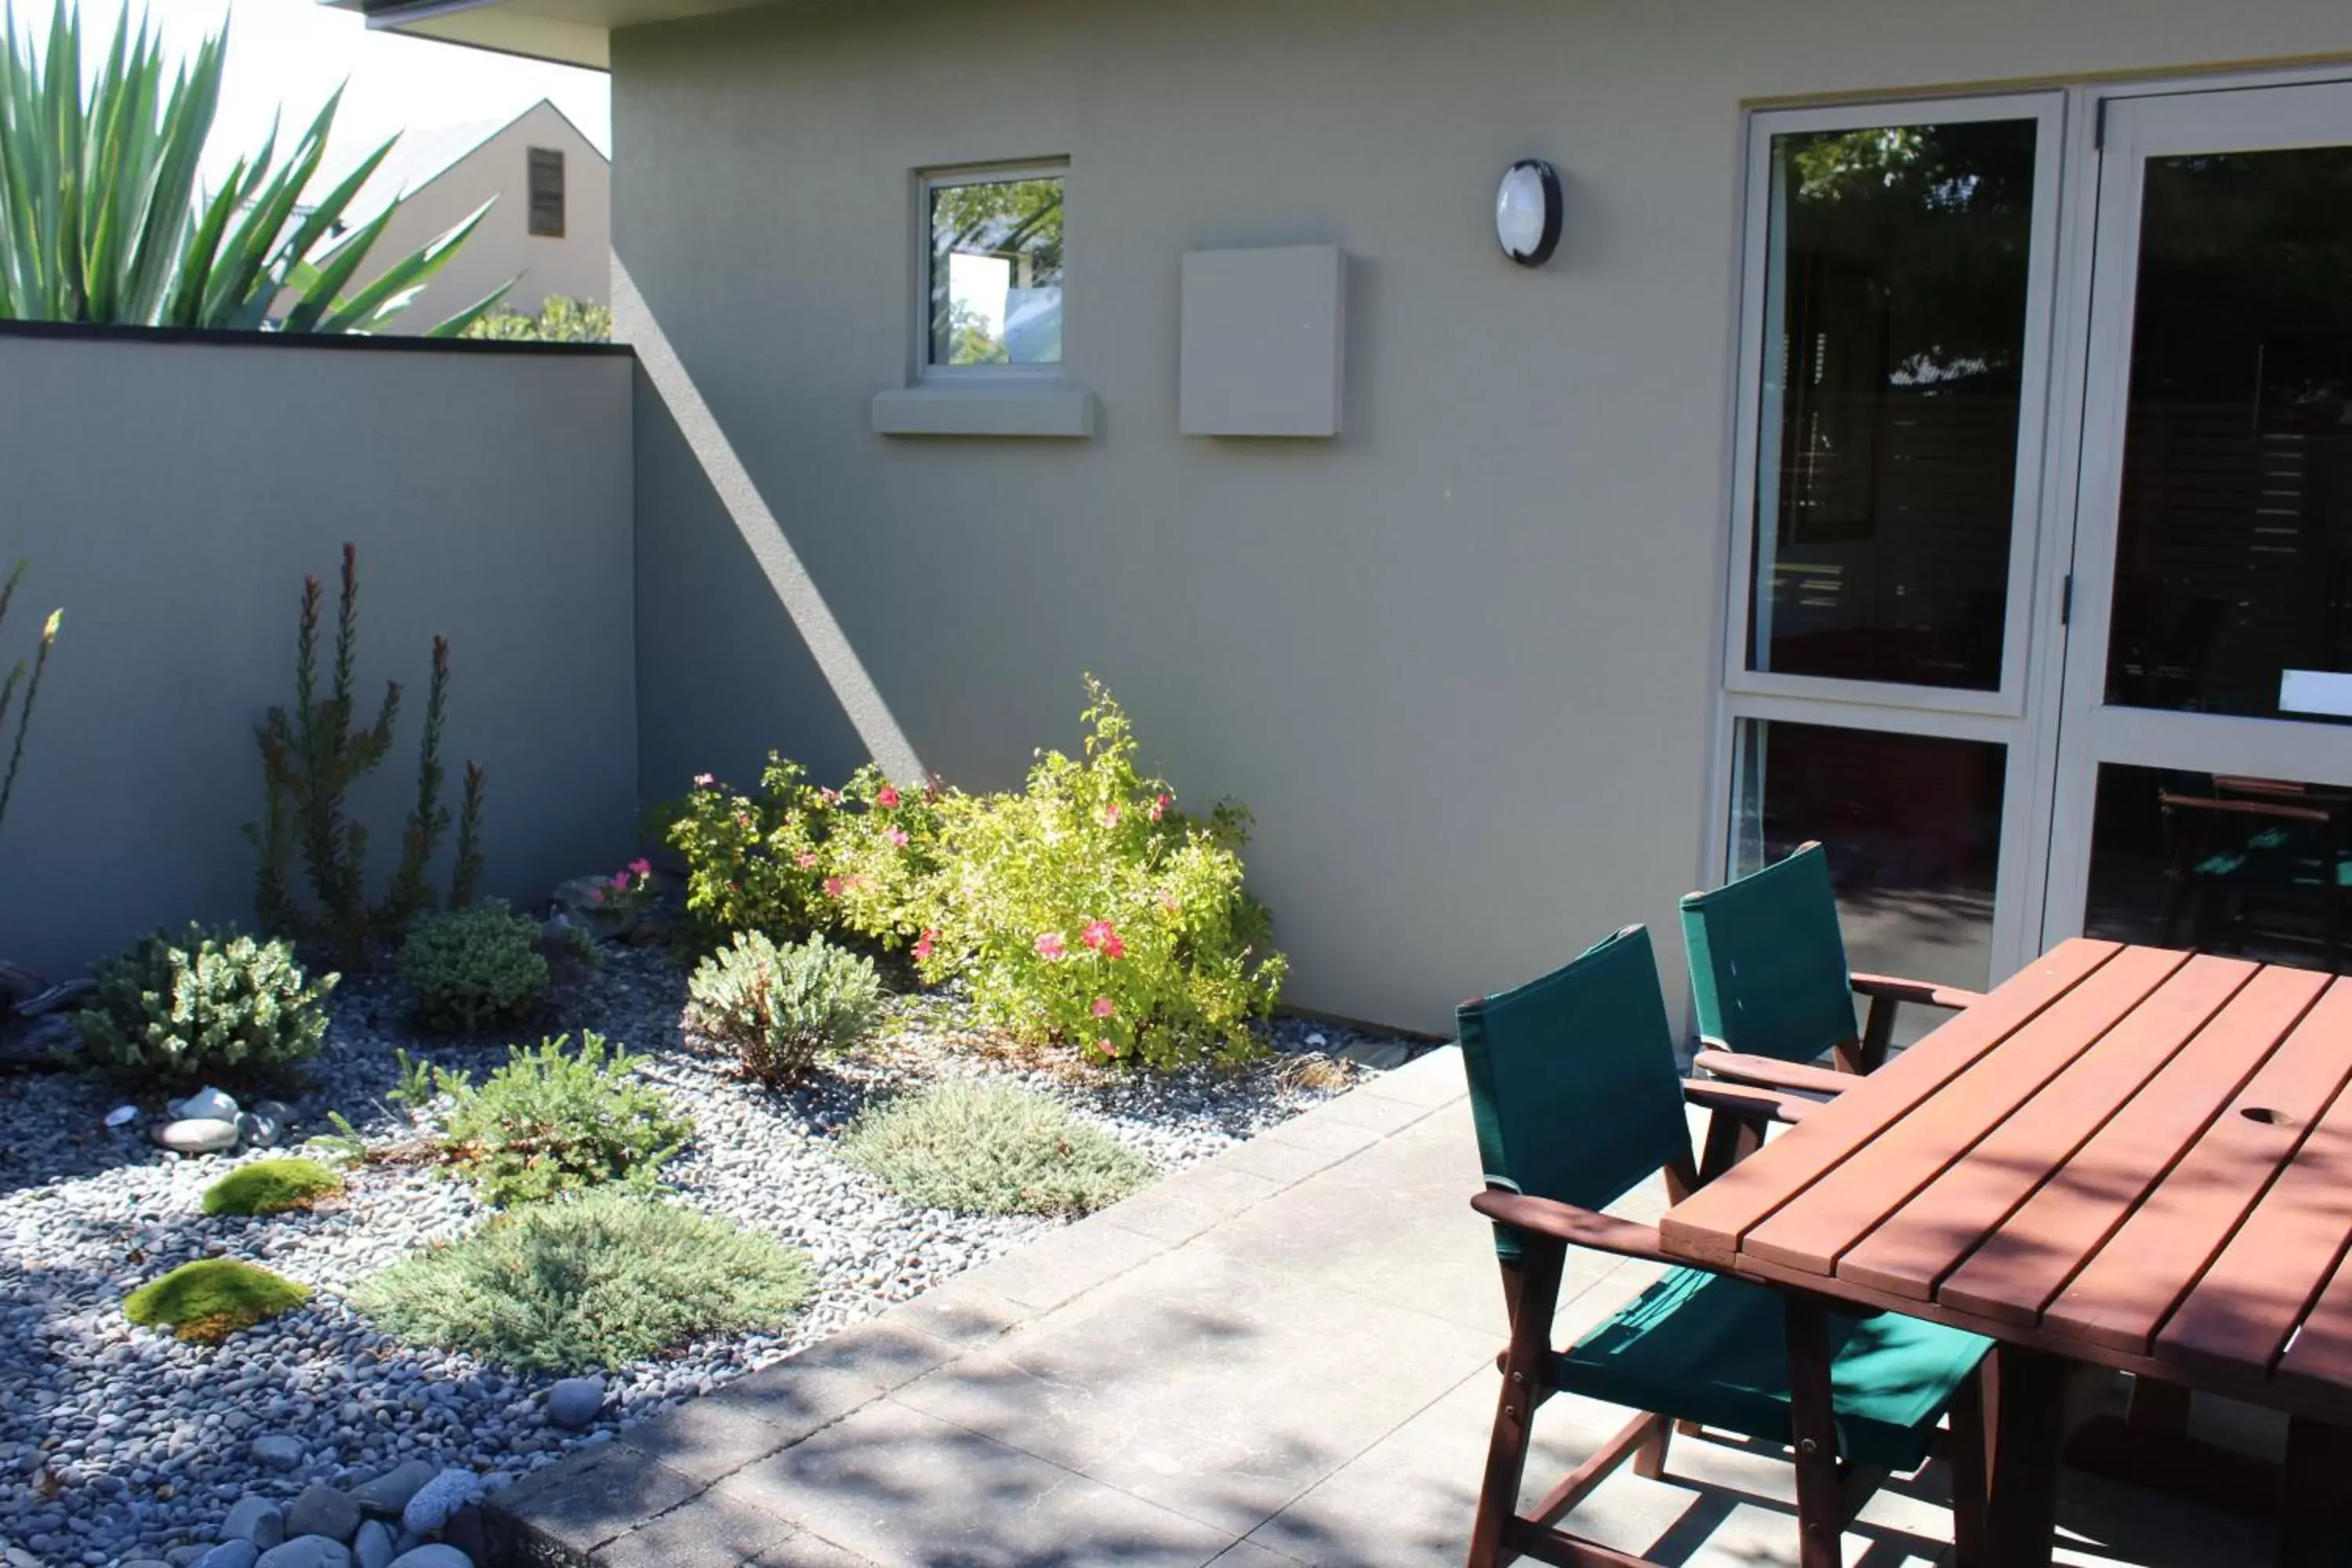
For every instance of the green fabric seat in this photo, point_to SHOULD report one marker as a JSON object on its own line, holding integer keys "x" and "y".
{"x": 1767, "y": 962}
{"x": 1702, "y": 1347}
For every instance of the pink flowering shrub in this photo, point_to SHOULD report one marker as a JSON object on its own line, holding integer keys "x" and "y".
{"x": 753, "y": 862}
{"x": 1090, "y": 910}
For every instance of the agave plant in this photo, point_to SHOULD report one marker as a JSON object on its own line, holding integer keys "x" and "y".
{"x": 102, "y": 218}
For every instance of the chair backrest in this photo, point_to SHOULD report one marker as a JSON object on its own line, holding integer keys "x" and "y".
{"x": 1767, "y": 962}
{"x": 1572, "y": 1079}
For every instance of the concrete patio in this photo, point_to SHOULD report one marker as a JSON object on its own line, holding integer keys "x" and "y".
{"x": 1284, "y": 1356}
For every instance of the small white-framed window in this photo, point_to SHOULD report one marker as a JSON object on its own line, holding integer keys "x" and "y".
{"x": 992, "y": 269}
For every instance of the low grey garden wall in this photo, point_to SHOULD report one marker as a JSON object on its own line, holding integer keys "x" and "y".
{"x": 172, "y": 491}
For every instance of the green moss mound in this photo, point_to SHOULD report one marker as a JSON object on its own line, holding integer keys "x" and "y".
{"x": 210, "y": 1300}
{"x": 992, "y": 1148}
{"x": 608, "y": 1278}
{"x": 271, "y": 1186}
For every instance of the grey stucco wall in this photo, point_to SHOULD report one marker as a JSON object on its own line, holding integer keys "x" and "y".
{"x": 1461, "y": 661}
{"x": 172, "y": 496}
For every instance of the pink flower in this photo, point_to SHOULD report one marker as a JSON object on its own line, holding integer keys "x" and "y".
{"x": 1103, "y": 939}
{"x": 1049, "y": 945}
{"x": 886, "y": 797}
{"x": 743, "y": 818}
{"x": 1159, "y": 807}
{"x": 806, "y": 859}
{"x": 833, "y": 886}
{"x": 620, "y": 880}
{"x": 1110, "y": 814}
{"x": 703, "y": 781}
{"x": 1168, "y": 901}
{"x": 1107, "y": 1047}
{"x": 898, "y": 836}
{"x": 830, "y": 796}
{"x": 922, "y": 949}
{"x": 641, "y": 867}
{"x": 1103, "y": 1008}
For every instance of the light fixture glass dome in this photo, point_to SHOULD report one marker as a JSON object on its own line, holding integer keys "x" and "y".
{"x": 1527, "y": 212}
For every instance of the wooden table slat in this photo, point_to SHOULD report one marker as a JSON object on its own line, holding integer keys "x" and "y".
{"x": 2015, "y": 1272}
{"x": 1707, "y": 1227}
{"x": 1821, "y": 1224}
{"x": 2243, "y": 1307}
{"x": 1944, "y": 1221}
{"x": 2319, "y": 1359}
{"x": 2124, "y": 1293}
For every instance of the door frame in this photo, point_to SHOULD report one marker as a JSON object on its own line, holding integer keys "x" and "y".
{"x": 2084, "y": 730}
{"x": 2026, "y": 894}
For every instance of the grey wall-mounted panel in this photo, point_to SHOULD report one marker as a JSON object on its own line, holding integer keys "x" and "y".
{"x": 1262, "y": 338}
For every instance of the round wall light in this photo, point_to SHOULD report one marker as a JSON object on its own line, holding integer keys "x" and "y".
{"x": 1527, "y": 212}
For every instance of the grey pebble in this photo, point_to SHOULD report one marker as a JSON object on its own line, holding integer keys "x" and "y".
{"x": 231, "y": 1555}
{"x": 374, "y": 1546}
{"x": 433, "y": 1555}
{"x": 307, "y": 1552}
{"x": 322, "y": 1510}
{"x": 254, "y": 1519}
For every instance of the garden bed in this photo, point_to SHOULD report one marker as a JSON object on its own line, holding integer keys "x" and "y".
{"x": 119, "y": 1443}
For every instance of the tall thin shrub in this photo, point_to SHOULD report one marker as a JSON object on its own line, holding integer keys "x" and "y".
{"x": 18, "y": 680}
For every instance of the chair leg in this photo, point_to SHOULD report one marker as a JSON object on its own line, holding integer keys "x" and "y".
{"x": 1813, "y": 1423}
{"x": 1729, "y": 1140}
{"x": 1970, "y": 1475}
{"x": 1877, "y": 1033}
{"x": 1531, "y": 1289}
{"x": 1650, "y": 1459}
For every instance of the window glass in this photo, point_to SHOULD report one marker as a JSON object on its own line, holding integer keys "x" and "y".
{"x": 2218, "y": 863}
{"x": 1912, "y": 827}
{"x": 2233, "y": 545}
{"x": 996, "y": 271}
{"x": 1895, "y": 326}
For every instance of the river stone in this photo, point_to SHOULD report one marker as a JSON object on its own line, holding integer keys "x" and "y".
{"x": 323, "y": 1511}
{"x": 573, "y": 1401}
{"x": 307, "y": 1552}
{"x": 373, "y": 1546}
{"x": 197, "y": 1135}
{"x": 259, "y": 1132}
{"x": 440, "y": 1498}
{"x": 230, "y": 1554}
{"x": 254, "y": 1519}
{"x": 207, "y": 1104}
{"x": 277, "y": 1451}
{"x": 388, "y": 1494}
{"x": 433, "y": 1554}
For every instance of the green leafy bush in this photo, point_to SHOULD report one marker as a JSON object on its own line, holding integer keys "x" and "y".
{"x": 211, "y": 1298}
{"x": 561, "y": 319}
{"x": 1090, "y": 910}
{"x": 204, "y": 1004}
{"x": 475, "y": 969}
{"x": 753, "y": 862}
{"x": 552, "y": 1121}
{"x": 782, "y": 1006}
{"x": 992, "y": 1148}
{"x": 271, "y": 1186}
{"x": 604, "y": 1280}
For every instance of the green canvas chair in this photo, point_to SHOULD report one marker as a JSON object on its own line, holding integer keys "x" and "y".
{"x": 1769, "y": 973}
{"x": 1576, "y": 1100}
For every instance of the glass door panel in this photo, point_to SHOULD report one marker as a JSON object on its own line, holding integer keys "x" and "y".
{"x": 1898, "y": 273}
{"x": 2203, "y": 766}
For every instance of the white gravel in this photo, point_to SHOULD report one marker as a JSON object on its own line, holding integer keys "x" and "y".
{"x": 119, "y": 1443}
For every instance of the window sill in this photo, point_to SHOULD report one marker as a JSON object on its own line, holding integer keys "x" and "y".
{"x": 1012, "y": 407}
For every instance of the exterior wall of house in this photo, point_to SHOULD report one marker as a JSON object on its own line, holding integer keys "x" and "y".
{"x": 1461, "y": 661}
{"x": 578, "y": 265}
{"x": 172, "y": 496}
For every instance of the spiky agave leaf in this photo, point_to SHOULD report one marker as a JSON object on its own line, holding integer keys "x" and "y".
{"x": 102, "y": 218}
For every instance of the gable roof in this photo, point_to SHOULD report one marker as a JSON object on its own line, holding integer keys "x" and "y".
{"x": 420, "y": 157}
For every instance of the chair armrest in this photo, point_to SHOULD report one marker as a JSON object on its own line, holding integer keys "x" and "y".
{"x": 1933, "y": 995}
{"x": 1771, "y": 1072}
{"x": 1576, "y": 1227}
{"x": 1739, "y": 1100}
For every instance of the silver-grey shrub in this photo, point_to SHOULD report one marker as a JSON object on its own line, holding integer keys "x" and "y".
{"x": 603, "y": 1280}
{"x": 203, "y": 1003}
{"x": 982, "y": 1147}
{"x": 782, "y": 1006}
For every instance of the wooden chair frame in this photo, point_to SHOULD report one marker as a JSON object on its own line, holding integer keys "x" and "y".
{"x": 1830, "y": 1491}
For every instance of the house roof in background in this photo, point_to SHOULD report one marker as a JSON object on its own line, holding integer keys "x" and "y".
{"x": 420, "y": 157}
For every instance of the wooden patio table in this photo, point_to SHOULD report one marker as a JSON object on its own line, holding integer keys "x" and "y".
{"x": 2124, "y": 1156}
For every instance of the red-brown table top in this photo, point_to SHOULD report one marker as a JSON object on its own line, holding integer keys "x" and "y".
{"x": 2126, "y": 1155}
